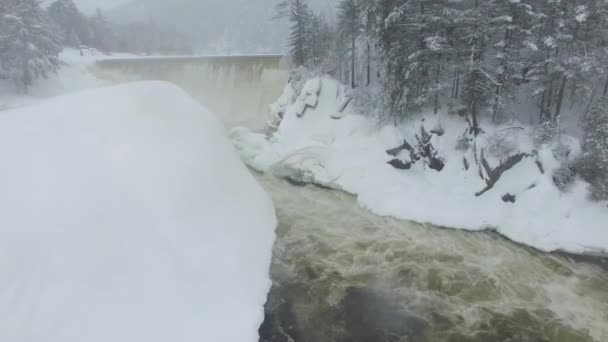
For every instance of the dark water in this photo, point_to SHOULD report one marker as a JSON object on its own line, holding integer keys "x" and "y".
{"x": 343, "y": 274}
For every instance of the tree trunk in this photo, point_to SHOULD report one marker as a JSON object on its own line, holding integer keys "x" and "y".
{"x": 454, "y": 85}
{"x": 369, "y": 65}
{"x": 543, "y": 101}
{"x": 496, "y": 104}
{"x": 606, "y": 85}
{"x": 352, "y": 63}
{"x": 549, "y": 104}
{"x": 560, "y": 98}
{"x": 475, "y": 116}
{"x": 457, "y": 90}
{"x": 436, "y": 100}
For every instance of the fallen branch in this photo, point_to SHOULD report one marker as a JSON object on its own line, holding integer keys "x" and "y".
{"x": 494, "y": 174}
{"x": 395, "y": 151}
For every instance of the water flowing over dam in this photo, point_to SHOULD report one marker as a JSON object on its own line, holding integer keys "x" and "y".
{"x": 342, "y": 274}
{"x": 238, "y": 88}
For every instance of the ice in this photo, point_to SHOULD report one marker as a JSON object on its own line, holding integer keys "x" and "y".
{"x": 126, "y": 215}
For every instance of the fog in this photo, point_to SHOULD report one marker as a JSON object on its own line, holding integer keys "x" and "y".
{"x": 89, "y": 6}
{"x": 214, "y": 26}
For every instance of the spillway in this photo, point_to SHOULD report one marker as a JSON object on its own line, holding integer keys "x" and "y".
{"x": 237, "y": 88}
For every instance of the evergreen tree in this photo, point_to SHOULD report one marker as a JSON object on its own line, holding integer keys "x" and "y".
{"x": 350, "y": 28}
{"x": 510, "y": 28}
{"x": 74, "y": 25}
{"x": 476, "y": 55}
{"x": 301, "y": 18}
{"x": 29, "y": 44}
{"x": 101, "y": 33}
{"x": 594, "y": 163}
{"x": 321, "y": 36}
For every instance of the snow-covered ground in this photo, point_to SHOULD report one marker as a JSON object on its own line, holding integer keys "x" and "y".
{"x": 350, "y": 154}
{"x": 126, "y": 215}
{"x": 72, "y": 77}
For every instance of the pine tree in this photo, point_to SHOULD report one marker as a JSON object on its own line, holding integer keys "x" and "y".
{"x": 350, "y": 29}
{"x": 321, "y": 36}
{"x": 594, "y": 163}
{"x": 74, "y": 25}
{"x": 301, "y": 18}
{"x": 29, "y": 45}
{"x": 511, "y": 32}
{"x": 101, "y": 33}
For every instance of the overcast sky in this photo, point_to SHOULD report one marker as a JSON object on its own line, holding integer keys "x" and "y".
{"x": 89, "y": 6}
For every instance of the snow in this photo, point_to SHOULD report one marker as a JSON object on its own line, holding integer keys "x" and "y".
{"x": 73, "y": 76}
{"x": 126, "y": 215}
{"x": 350, "y": 154}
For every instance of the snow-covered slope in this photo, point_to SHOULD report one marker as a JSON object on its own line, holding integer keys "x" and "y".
{"x": 73, "y": 76}
{"x": 126, "y": 215}
{"x": 351, "y": 154}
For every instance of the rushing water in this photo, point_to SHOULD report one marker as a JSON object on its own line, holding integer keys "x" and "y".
{"x": 341, "y": 273}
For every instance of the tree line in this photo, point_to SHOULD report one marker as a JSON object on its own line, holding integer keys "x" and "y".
{"x": 474, "y": 58}
{"x": 31, "y": 37}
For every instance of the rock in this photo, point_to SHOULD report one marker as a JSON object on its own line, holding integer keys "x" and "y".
{"x": 508, "y": 198}
{"x": 436, "y": 164}
{"x": 399, "y": 164}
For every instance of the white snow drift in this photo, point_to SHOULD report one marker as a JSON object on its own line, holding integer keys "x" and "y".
{"x": 126, "y": 215}
{"x": 348, "y": 152}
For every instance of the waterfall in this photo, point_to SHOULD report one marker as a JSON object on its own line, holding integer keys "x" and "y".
{"x": 236, "y": 88}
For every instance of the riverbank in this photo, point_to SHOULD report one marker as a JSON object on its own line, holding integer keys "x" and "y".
{"x": 339, "y": 272}
{"x": 349, "y": 152}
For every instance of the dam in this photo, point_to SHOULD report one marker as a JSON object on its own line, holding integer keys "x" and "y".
{"x": 342, "y": 274}
{"x": 237, "y": 88}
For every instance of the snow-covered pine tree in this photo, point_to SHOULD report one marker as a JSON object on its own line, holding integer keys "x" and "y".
{"x": 74, "y": 25}
{"x": 29, "y": 44}
{"x": 510, "y": 26}
{"x": 349, "y": 28}
{"x": 413, "y": 38}
{"x": 555, "y": 29}
{"x": 593, "y": 166}
{"x": 301, "y": 18}
{"x": 475, "y": 38}
{"x": 101, "y": 33}
{"x": 321, "y": 36}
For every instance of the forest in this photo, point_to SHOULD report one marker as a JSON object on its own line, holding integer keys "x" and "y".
{"x": 540, "y": 62}
{"x": 543, "y": 62}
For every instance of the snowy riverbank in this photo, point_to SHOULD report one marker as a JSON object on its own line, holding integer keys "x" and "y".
{"x": 72, "y": 76}
{"x": 351, "y": 154}
{"x": 127, "y": 216}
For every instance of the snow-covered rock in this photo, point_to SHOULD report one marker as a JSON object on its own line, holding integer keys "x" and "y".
{"x": 350, "y": 154}
{"x": 126, "y": 215}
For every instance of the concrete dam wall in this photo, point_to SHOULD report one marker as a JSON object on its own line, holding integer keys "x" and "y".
{"x": 238, "y": 89}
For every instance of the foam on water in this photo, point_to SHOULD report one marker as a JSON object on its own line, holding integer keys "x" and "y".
{"x": 465, "y": 286}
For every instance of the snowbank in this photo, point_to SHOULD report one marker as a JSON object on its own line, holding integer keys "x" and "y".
{"x": 350, "y": 154}
{"x": 126, "y": 215}
{"x": 73, "y": 76}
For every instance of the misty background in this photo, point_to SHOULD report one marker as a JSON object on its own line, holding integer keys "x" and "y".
{"x": 202, "y": 27}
